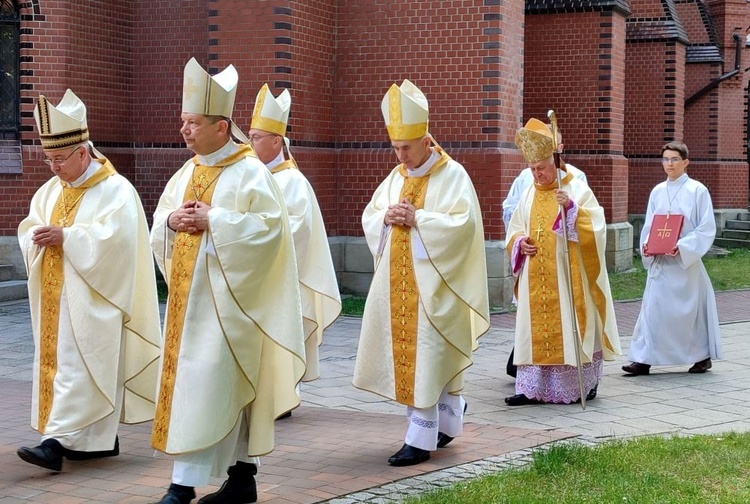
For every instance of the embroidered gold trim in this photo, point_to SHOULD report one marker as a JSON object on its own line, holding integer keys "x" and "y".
{"x": 53, "y": 278}
{"x": 184, "y": 257}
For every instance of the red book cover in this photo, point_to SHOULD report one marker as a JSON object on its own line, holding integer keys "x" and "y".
{"x": 665, "y": 231}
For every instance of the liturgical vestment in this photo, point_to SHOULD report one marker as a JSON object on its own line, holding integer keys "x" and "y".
{"x": 544, "y": 322}
{"x": 428, "y": 300}
{"x": 678, "y": 322}
{"x": 94, "y": 310}
{"x": 233, "y": 339}
{"x": 319, "y": 292}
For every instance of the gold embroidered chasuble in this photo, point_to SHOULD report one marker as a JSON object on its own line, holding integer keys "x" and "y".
{"x": 226, "y": 351}
{"x": 184, "y": 253}
{"x": 73, "y": 295}
{"x": 544, "y": 324}
{"x": 63, "y": 214}
{"x": 405, "y": 292}
{"x": 428, "y": 300}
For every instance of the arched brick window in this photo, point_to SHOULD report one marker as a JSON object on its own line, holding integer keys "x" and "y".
{"x": 10, "y": 122}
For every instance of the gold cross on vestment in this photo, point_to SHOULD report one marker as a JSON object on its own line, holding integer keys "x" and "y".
{"x": 189, "y": 88}
{"x": 539, "y": 231}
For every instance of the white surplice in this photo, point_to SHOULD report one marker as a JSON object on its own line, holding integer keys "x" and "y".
{"x": 678, "y": 322}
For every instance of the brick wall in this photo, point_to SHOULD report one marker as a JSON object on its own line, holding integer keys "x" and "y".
{"x": 575, "y": 64}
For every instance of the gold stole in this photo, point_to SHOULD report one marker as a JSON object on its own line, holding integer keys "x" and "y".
{"x": 404, "y": 289}
{"x": 184, "y": 257}
{"x": 544, "y": 291}
{"x": 63, "y": 215}
{"x": 289, "y": 163}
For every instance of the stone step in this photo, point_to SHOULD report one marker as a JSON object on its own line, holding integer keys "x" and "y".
{"x": 737, "y": 224}
{"x": 11, "y": 290}
{"x": 731, "y": 243}
{"x": 744, "y": 216}
{"x": 736, "y": 234}
{"x": 6, "y": 272}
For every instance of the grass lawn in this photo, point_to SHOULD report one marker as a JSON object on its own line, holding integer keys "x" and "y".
{"x": 677, "y": 470}
{"x": 727, "y": 273}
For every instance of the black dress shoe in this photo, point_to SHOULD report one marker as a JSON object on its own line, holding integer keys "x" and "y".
{"x": 238, "y": 489}
{"x": 591, "y": 395}
{"x": 636, "y": 368}
{"x": 443, "y": 438}
{"x": 178, "y": 494}
{"x": 409, "y": 455}
{"x": 520, "y": 400}
{"x": 88, "y": 455}
{"x": 701, "y": 367}
{"x": 49, "y": 454}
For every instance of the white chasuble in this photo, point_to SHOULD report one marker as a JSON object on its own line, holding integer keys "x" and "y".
{"x": 321, "y": 301}
{"x": 428, "y": 302}
{"x": 104, "y": 311}
{"x": 678, "y": 322}
{"x": 544, "y": 320}
{"x": 233, "y": 337}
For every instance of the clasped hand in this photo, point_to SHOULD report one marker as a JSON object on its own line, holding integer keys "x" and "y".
{"x": 46, "y": 236}
{"x": 401, "y": 214}
{"x": 191, "y": 217}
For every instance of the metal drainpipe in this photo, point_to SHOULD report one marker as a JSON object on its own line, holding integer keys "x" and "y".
{"x": 711, "y": 85}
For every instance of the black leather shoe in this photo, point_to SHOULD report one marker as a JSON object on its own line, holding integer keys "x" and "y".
{"x": 49, "y": 454}
{"x": 84, "y": 455}
{"x": 592, "y": 393}
{"x": 636, "y": 368}
{"x": 701, "y": 367}
{"x": 409, "y": 455}
{"x": 178, "y": 494}
{"x": 520, "y": 400}
{"x": 443, "y": 438}
{"x": 240, "y": 488}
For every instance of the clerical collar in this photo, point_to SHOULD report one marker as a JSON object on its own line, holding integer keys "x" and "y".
{"x": 421, "y": 170}
{"x": 276, "y": 161}
{"x": 94, "y": 165}
{"x": 212, "y": 159}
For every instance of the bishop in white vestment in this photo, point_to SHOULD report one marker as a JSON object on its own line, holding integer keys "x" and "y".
{"x": 428, "y": 303}
{"x": 92, "y": 294}
{"x": 321, "y": 301}
{"x": 233, "y": 341}
{"x": 544, "y": 336}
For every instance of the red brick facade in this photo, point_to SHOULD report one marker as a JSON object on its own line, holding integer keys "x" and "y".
{"x": 618, "y": 75}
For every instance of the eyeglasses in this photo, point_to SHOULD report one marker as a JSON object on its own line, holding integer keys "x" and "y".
{"x": 58, "y": 161}
{"x": 672, "y": 160}
{"x": 255, "y": 138}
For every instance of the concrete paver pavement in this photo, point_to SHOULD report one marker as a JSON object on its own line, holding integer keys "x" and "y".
{"x": 334, "y": 447}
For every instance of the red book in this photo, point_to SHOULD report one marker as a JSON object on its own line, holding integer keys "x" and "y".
{"x": 665, "y": 231}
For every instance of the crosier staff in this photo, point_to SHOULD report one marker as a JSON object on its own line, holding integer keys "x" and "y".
{"x": 559, "y": 165}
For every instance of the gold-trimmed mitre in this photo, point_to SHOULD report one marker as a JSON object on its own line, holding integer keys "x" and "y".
{"x": 62, "y": 126}
{"x": 534, "y": 141}
{"x": 405, "y": 111}
{"x": 210, "y": 95}
{"x": 271, "y": 114}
